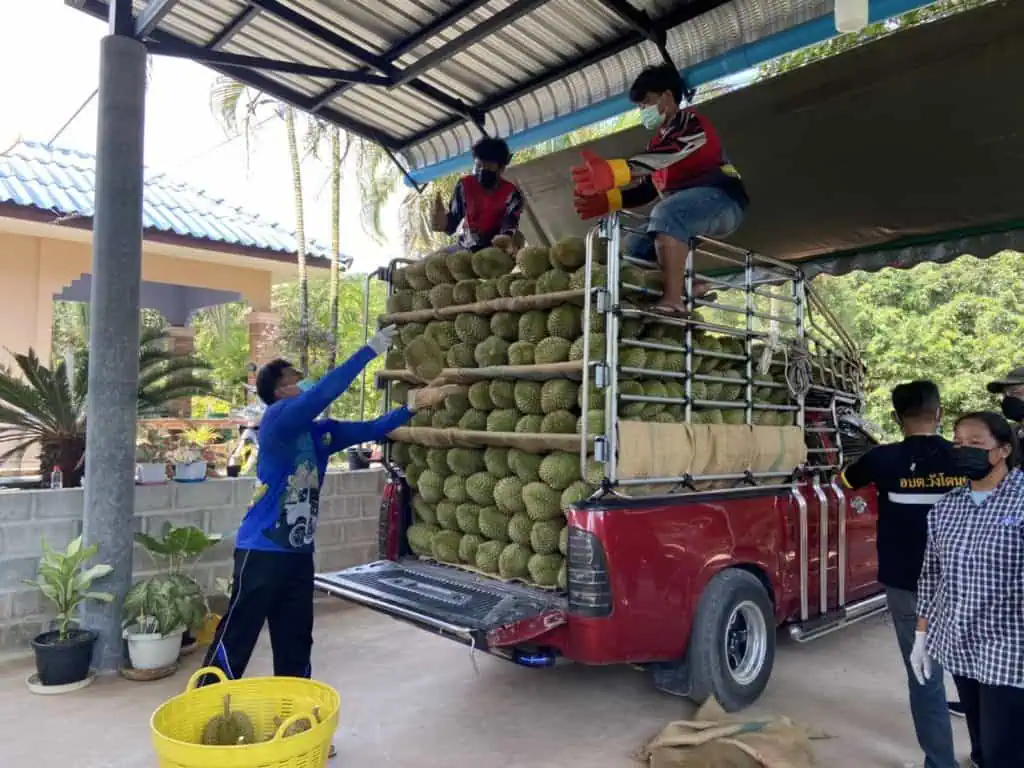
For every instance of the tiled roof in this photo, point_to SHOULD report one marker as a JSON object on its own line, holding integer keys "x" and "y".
{"x": 63, "y": 181}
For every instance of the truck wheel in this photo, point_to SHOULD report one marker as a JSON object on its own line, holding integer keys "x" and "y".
{"x": 732, "y": 643}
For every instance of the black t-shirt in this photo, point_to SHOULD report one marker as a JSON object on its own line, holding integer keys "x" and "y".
{"x": 910, "y": 477}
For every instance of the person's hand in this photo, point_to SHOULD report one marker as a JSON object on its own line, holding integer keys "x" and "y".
{"x": 383, "y": 339}
{"x": 592, "y": 206}
{"x": 430, "y": 396}
{"x": 598, "y": 175}
{"x": 920, "y": 661}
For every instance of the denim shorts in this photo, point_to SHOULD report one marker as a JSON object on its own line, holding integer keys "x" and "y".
{"x": 706, "y": 211}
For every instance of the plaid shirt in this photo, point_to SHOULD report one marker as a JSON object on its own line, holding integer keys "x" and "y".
{"x": 971, "y": 588}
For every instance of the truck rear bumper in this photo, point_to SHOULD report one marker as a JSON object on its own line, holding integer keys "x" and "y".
{"x": 484, "y": 613}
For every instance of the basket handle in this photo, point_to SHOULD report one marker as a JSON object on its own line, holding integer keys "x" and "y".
{"x": 279, "y": 733}
{"x": 193, "y": 681}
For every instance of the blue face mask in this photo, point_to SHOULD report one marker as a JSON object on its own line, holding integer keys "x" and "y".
{"x": 305, "y": 385}
{"x": 650, "y": 117}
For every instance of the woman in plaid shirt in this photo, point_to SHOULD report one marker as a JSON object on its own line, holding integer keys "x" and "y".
{"x": 970, "y": 597}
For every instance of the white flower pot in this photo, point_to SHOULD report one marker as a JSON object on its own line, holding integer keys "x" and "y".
{"x": 190, "y": 473}
{"x": 150, "y": 473}
{"x": 153, "y": 651}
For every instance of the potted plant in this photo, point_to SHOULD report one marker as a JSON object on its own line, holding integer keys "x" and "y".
{"x": 151, "y": 459}
{"x": 155, "y": 618}
{"x": 194, "y": 455}
{"x": 173, "y": 551}
{"x": 63, "y": 655}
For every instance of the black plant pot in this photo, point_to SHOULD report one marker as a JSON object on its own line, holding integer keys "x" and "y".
{"x": 63, "y": 662}
{"x": 358, "y": 459}
{"x": 234, "y": 471}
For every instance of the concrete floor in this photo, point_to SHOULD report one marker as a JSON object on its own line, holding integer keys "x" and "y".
{"x": 411, "y": 699}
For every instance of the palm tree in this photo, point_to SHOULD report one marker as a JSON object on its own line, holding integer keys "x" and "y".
{"x": 44, "y": 406}
{"x": 236, "y": 106}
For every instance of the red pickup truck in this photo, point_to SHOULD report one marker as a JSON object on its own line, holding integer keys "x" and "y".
{"x": 689, "y": 585}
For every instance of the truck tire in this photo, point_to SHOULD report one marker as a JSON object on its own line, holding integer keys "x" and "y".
{"x": 732, "y": 642}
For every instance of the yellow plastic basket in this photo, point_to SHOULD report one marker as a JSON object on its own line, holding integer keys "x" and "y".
{"x": 178, "y": 724}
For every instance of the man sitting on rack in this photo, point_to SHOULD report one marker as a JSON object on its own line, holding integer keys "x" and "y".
{"x": 684, "y": 168}
{"x": 485, "y": 207}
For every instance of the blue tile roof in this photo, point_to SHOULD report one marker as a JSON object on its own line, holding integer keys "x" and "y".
{"x": 63, "y": 181}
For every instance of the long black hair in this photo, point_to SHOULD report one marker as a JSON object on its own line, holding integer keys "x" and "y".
{"x": 999, "y": 428}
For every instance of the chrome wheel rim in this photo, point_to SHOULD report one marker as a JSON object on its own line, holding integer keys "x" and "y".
{"x": 746, "y": 642}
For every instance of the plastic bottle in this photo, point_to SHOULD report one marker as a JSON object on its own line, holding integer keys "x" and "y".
{"x": 851, "y": 15}
{"x": 56, "y": 478}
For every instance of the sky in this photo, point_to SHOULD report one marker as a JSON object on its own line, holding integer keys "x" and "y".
{"x": 56, "y": 61}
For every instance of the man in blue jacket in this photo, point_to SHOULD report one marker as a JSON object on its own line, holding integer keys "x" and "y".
{"x": 273, "y": 571}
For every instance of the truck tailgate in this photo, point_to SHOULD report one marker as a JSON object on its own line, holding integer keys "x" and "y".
{"x": 473, "y": 609}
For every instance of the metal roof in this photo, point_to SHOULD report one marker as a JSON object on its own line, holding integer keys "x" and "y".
{"x": 421, "y": 76}
{"x": 63, "y": 181}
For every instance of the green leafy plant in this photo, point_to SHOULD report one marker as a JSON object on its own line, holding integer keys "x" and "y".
{"x": 44, "y": 406}
{"x": 172, "y": 552}
{"x": 67, "y": 583}
{"x": 151, "y": 447}
{"x": 162, "y": 604}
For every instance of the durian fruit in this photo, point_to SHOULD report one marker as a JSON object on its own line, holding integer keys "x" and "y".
{"x": 480, "y": 489}
{"x": 544, "y": 535}
{"x": 560, "y": 470}
{"x": 527, "y": 395}
{"x": 502, "y": 393}
{"x": 445, "y": 546}
{"x": 468, "y": 546}
{"x": 399, "y": 281}
{"x": 460, "y": 356}
{"x": 558, "y": 395}
{"x": 521, "y": 353}
{"x": 542, "y": 501}
{"x": 494, "y": 524}
{"x": 597, "y": 341}
{"x": 400, "y": 301}
{"x": 464, "y": 462}
{"x": 505, "y": 325}
{"x": 229, "y": 728}
{"x": 533, "y": 326}
{"x": 533, "y": 262}
{"x": 435, "y": 266}
{"x": 558, "y": 423}
{"x": 460, "y": 265}
{"x": 565, "y": 322}
{"x": 473, "y": 420}
{"x": 544, "y": 569}
{"x": 442, "y": 332}
{"x": 553, "y": 281}
{"x": 508, "y": 495}
{"x": 421, "y": 301}
{"x": 442, "y": 295}
{"x": 496, "y": 462}
{"x": 598, "y": 278}
{"x": 529, "y": 424}
{"x": 454, "y": 490}
{"x": 416, "y": 276}
{"x": 519, "y": 528}
{"x": 491, "y": 351}
{"x": 464, "y": 292}
{"x": 394, "y": 361}
{"x": 553, "y": 349}
{"x": 504, "y": 284}
{"x": 486, "y": 290}
{"x": 468, "y": 517}
{"x": 419, "y": 537}
{"x": 490, "y": 263}
{"x": 472, "y": 329}
{"x": 410, "y": 331}
{"x": 523, "y": 287}
{"x": 525, "y": 466}
{"x": 424, "y": 358}
{"x": 479, "y": 395}
{"x": 577, "y": 492}
{"x": 446, "y": 514}
{"x": 569, "y": 253}
{"x": 301, "y": 725}
{"x": 487, "y": 556}
{"x": 514, "y": 561}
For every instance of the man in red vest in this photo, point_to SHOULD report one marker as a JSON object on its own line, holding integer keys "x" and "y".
{"x": 484, "y": 206}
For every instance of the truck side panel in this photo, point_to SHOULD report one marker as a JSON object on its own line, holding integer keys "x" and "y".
{"x": 661, "y": 553}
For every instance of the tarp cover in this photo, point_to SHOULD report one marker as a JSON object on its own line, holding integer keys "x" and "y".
{"x": 905, "y": 150}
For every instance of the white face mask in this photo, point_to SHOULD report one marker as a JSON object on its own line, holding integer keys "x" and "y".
{"x": 650, "y": 117}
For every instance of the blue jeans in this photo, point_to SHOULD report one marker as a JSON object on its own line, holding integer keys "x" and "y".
{"x": 706, "y": 211}
{"x": 928, "y": 701}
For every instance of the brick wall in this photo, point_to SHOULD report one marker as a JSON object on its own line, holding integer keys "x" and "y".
{"x": 346, "y": 533}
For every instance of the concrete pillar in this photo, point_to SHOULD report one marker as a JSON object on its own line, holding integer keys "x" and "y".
{"x": 114, "y": 337}
{"x": 262, "y": 338}
{"x": 182, "y": 344}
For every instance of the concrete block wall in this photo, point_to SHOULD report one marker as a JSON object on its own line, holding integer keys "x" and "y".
{"x": 346, "y": 534}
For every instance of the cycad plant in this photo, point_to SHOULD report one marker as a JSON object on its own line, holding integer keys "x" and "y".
{"x": 44, "y": 406}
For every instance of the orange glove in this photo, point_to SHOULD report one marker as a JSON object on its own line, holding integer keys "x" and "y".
{"x": 595, "y": 206}
{"x": 597, "y": 175}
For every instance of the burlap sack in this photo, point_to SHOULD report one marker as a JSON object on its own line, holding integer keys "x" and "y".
{"x": 717, "y": 740}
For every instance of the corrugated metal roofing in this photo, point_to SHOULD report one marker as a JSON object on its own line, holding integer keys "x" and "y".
{"x": 63, "y": 181}
{"x": 521, "y": 63}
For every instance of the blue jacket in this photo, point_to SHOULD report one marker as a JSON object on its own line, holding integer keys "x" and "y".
{"x": 294, "y": 446}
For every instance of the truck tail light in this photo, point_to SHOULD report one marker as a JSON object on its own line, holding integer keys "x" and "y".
{"x": 395, "y": 518}
{"x": 590, "y": 592}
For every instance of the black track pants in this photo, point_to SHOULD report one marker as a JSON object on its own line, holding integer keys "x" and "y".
{"x": 993, "y": 714}
{"x": 272, "y": 587}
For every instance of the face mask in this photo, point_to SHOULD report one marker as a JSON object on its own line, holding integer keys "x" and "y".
{"x": 305, "y": 385}
{"x": 972, "y": 462}
{"x": 1013, "y": 408}
{"x": 650, "y": 117}
{"x": 488, "y": 179}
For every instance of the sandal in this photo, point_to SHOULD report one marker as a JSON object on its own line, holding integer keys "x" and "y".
{"x": 672, "y": 310}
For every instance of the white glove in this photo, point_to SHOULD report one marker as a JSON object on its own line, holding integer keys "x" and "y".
{"x": 920, "y": 661}
{"x": 383, "y": 339}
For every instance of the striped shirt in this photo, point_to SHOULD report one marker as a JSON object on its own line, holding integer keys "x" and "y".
{"x": 971, "y": 588}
